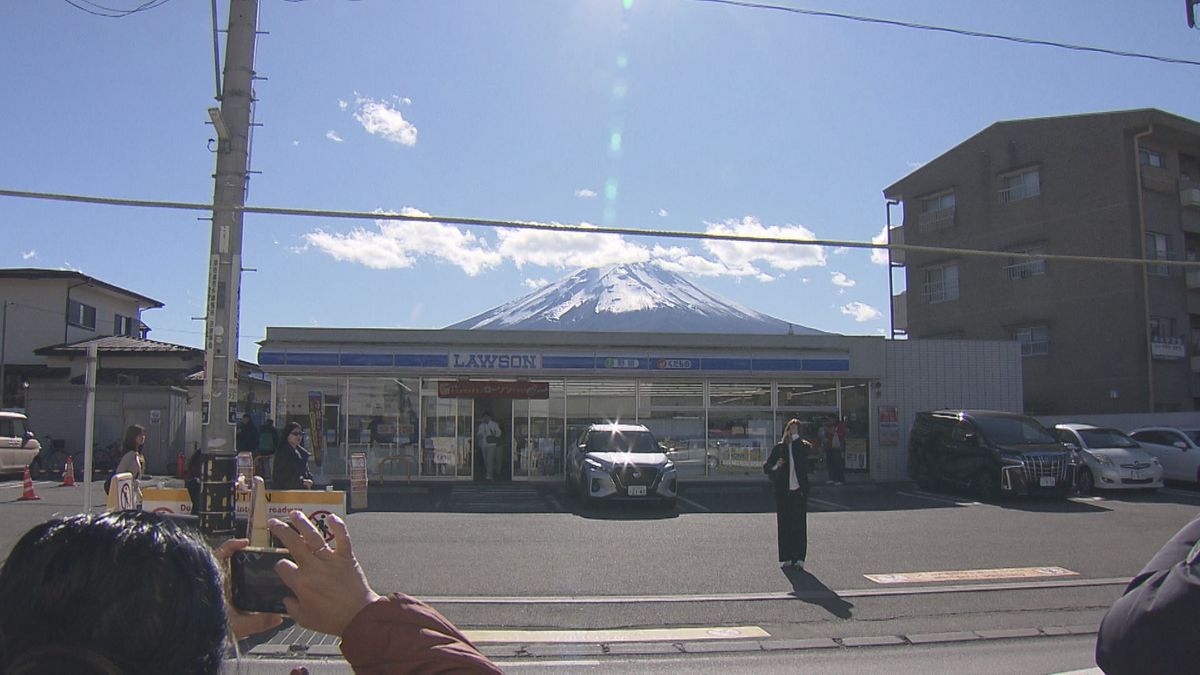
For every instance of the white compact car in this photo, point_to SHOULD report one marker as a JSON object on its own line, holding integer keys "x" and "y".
{"x": 621, "y": 462}
{"x": 1110, "y": 459}
{"x": 1177, "y": 449}
{"x": 18, "y": 446}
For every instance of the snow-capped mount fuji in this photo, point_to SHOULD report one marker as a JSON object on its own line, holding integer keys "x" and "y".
{"x": 639, "y": 297}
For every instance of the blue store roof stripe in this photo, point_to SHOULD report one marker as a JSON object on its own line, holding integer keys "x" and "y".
{"x": 368, "y": 360}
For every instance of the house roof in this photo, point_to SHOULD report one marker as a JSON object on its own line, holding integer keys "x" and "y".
{"x": 120, "y": 344}
{"x": 30, "y": 273}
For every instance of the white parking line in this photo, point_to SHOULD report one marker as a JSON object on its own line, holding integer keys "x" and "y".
{"x": 694, "y": 505}
{"x": 937, "y": 498}
{"x": 827, "y": 504}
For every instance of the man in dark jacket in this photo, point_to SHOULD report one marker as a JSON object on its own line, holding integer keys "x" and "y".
{"x": 1155, "y": 626}
{"x": 247, "y": 435}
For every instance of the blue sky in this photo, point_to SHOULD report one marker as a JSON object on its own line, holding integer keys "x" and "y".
{"x": 729, "y": 119}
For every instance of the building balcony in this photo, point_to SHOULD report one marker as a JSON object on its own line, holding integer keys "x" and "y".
{"x": 939, "y": 219}
{"x": 896, "y": 236}
{"x": 1189, "y": 195}
{"x": 900, "y": 312}
{"x": 1167, "y": 349}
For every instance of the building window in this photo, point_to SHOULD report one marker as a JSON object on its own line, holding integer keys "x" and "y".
{"x": 79, "y": 314}
{"x": 1034, "y": 340}
{"x": 123, "y": 325}
{"x": 1151, "y": 158}
{"x": 937, "y": 212}
{"x": 1020, "y": 185}
{"x": 1158, "y": 247}
{"x": 1162, "y": 328}
{"x": 941, "y": 283}
{"x": 1023, "y": 268}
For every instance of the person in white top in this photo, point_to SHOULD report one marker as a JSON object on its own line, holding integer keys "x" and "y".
{"x": 487, "y": 437}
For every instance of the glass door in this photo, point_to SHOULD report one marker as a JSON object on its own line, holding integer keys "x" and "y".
{"x": 447, "y": 429}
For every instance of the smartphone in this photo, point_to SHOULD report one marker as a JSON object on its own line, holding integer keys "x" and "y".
{"x": 256, "y": 586}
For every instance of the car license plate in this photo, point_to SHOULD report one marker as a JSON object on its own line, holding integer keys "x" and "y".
{"x": 637, "y": 491}
{"x": 1137, "y": 475}
{"x": 1047, "y": 481}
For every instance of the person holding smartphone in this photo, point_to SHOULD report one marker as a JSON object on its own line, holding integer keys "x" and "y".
{"x": 787, "y": 467}
{"x": 291, "y": 461}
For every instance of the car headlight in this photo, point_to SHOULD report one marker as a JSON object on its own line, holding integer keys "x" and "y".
{"x": 668, "y": 466}
{"x": 594, "y": 464}
{"x": 1104, "y": 461}
{"x": 1154, "y": 461}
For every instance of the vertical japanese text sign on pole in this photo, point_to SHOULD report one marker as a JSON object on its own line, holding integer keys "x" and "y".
{"x": 225, "y": 252}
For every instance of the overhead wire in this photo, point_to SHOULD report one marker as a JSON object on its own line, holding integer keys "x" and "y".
{"x": 956, "y": 31}
{"x": 578, "y": 229}
{"x": 96, "y": 9}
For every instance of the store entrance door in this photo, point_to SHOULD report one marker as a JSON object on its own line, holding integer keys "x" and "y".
{"x": 493, "y": 422}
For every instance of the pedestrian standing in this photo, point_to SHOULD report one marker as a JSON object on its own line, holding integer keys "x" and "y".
{"x": 267, "y": 441}
{"x": 787, "y": 467}
{"x": 133, "y": 461}
{"x": 835, "y": 454}
{"x": 247, "y": 435}
{"x": 487, "y": 436}
{"x": 291, "y": 461}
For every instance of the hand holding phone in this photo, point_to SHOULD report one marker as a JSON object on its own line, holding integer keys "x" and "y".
{"x": 256, "y": 585}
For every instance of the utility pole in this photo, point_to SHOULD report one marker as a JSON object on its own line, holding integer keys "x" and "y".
{"x": 219, "y": 402}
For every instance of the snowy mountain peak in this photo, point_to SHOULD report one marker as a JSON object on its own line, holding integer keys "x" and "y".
{"x": 639, "y": 297}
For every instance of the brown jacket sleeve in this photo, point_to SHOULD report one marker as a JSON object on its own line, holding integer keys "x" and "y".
{"x": 400, "y": 634}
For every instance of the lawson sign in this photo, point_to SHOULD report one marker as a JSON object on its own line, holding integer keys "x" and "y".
{"x": 502, "y": 360}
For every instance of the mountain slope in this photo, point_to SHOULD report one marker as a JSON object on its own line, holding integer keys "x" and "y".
{"x": 628, "y": 298}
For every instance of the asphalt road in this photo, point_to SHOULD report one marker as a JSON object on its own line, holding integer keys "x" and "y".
{"x": 520, "y": 557}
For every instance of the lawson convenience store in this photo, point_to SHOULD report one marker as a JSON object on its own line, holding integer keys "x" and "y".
{"x": 413, "y": 399}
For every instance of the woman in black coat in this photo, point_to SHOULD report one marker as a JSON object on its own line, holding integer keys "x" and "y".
{"x": 291, "y": 461}
{"x": 787, "y": 467}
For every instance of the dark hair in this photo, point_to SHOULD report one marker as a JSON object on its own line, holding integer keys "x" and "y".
{"x": 131, "y": 434}
{"x": 120, "y": 592}
{"x": 289, "y": 428}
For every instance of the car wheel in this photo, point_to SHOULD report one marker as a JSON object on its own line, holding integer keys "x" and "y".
{"x": 1085, "y": 482}
{"x": 984, "y": 487}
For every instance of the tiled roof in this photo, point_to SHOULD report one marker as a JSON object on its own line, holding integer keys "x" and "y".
{"x": 113, "y": 344}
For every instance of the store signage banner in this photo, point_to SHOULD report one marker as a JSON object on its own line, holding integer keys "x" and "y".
{"x": 489, "y": 389}
{"x": 494, "y": 361}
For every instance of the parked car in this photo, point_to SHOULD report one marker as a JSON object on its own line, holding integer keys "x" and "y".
{"x": 18, "y": 445}
{"x": 992, "y": 453}
{"x": 693, "y": 457}
{"x": 620, "y": 462}
{"x": 1177, "y": 449}
{"x": 1109, "y": 459}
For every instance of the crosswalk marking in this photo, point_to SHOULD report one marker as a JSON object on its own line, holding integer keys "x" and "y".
{"x": 616, "y": 635}
{"x": 971, "y": 575}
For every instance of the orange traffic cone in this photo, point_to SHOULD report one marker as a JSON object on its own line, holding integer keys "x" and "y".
{"x": 29, "y": 495}
{"x": 69, "y": 473}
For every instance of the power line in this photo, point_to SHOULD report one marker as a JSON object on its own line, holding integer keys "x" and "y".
{"x": 575, "y": 229}
{"x": 96, "y": 9}
{"x": 956, "y": 31}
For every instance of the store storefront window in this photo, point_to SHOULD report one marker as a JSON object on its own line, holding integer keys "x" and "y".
{"x": 857, "y": 418}
{"x": 741, "y": 426}
{"x": 538, "y": 436}
{"x": 316, "y": 404}
{"x": 810, "y": 402}
{"x": 674, "y": 412}
{"x": 447, "y": 430}
{"x": 382, "y": 423}
{"x": 598, "y": 402}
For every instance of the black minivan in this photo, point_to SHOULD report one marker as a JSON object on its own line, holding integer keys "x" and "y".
{"x": 992, "y": 453}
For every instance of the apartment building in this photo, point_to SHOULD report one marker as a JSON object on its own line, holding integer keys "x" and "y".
{"x": 1095, "y": 337}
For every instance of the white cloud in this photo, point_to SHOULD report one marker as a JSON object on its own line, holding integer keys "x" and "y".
{"x": 381, "y": 118}
{"x": 915, "y": 165}
{"x": 534, "y": 284}
{"x": 742, "y": 254}
{"x": 584, "y": 193}
{"x": 399, "y": 244}
{"x": 879, "y": 256}
{"x": 342, "y": 105}
{"x": 840, "y": 279}
{"x": 662, "y": 213}
{"x": 31, "y": 253}
{"x": 295, "y": 143}
{"x": 861, "y": 311}
{"x": 568, "y": 249}
{"x": 333, "y": 136}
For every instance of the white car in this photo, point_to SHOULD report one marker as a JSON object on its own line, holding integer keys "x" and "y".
{"x": 1177, "y": 449}
{"x": 1110, "y": 459}
{"x": 18, "y": 446}
{"x": 621, "y": 462}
